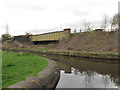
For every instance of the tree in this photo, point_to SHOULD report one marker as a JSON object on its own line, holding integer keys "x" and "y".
{"x": 6, "y": 37}
{"x": 89, "y": 27}
{"x": 27, "y": 33}
{"x": 80, "y": 30}
{"x": 104, "y": 22}
{"x": 84, "y": 24}
{"x": 74, "y": 30}
{"x": 119, "y": 20}
{"x": 114, "y": 22}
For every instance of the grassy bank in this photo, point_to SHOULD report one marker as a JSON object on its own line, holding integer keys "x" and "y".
{"x": 41, "y": 49}
{"x": 77, "y": 51}
{"x": 17, "y": 67}
{"x": 83, "y": 54}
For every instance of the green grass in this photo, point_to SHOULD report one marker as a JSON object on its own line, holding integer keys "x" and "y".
{"x": 83, "y": 51}
{"x": 41, "y": 49}
{"x": 89, "y": 32}
{"x": 16, "y": 67}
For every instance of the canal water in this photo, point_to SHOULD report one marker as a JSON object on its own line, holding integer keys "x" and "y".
{"x": 86, "y": 73}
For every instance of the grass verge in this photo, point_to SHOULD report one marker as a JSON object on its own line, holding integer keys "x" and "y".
{"x": 17, "y": 66}
{"x": 41, "y": 49}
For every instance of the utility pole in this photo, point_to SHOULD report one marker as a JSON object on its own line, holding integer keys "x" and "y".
{"x": 6, "y": 27}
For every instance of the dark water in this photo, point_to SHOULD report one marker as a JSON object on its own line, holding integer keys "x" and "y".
{"x": 86, "y": 73}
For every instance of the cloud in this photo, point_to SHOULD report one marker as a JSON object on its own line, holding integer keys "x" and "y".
{"x": 36, "y": 8}
{"x": 80, "y": 13}
{"x": 25, "y": 5}
{"x": 119, "y": 7}
{"x": 48, "y": 15}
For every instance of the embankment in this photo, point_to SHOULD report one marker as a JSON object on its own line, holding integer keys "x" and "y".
{"x": 83, "y": 54}
{"x": 96, "y": 41}
{"x": 96, "y": 44}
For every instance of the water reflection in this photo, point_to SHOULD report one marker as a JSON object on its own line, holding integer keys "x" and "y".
{"x": 77, "y": 79}
{"x": 86, "y": 73}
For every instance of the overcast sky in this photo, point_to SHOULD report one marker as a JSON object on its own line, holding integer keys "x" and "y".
{"x": 41, "y": 16}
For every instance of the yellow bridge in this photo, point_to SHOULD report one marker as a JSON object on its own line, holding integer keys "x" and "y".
{"x": 53, "y": 36}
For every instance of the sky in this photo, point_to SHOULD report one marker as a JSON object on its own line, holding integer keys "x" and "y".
{"x": 42, "y": 16}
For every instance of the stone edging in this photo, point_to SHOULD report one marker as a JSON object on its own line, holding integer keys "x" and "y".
{"x": 48, "y": 78}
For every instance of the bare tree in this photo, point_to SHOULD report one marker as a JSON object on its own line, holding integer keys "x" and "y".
{"x": 114, "y": 22}
{"x": 84, "y": 24}
{"x": 27, "y": 33}
{"x": 74, "y": 30}
{"x": 80, "y": 30}
{"x": 104, "y": 23}
{"x": 89, "y": 27}
{"x": 119, "y": 19}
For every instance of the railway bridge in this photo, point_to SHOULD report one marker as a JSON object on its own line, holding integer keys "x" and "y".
{"x": 45, "y": 38}
{"x": 51, "y": 37}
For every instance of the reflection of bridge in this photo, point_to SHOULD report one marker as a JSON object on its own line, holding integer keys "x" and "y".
{"x": 50, "y": 37}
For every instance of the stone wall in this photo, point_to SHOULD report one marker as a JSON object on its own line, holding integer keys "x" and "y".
{"x": 22, "y": 39}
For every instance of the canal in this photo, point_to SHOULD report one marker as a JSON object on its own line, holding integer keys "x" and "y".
{"x": 78, "y": 72}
